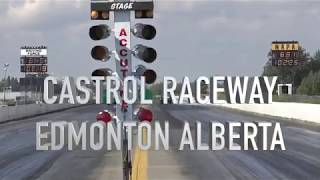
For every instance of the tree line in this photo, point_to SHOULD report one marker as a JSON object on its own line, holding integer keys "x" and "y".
{"x": 12, "y": 82}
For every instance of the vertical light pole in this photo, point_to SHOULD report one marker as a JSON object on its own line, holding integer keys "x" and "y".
{"x": 5, "y": 68}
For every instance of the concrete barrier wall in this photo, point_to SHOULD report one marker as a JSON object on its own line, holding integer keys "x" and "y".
{"x": 301, "y": 111}
{"x": 21, "y": 111}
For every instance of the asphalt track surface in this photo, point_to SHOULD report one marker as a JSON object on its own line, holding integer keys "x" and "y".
{"x": 301, "y": 160}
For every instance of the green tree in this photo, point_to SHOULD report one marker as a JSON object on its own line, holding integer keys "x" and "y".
{"x": 310, "y": 85}
{"x": 2, "y": 84}
{"x": 317, "y": 55}
{"x": 157, "y": 88}
{"x": 306, "y": 85}
{"x": 316, "y": 84}
{"x": 15, "y": 84}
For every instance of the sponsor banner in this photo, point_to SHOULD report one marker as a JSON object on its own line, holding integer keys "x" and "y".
{"x": 285, "y": 46}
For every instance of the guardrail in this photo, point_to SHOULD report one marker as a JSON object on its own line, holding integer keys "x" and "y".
{"x": 299, "y": 111}
{"x": 23, "y": 111}
{"x": 297, "y": 98}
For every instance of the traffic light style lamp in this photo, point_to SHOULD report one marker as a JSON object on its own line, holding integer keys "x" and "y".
{"x": 149, "y": 74}
{"x": 102, "y": 72}
{"x": 104, "y": 116}
{"x": 99, "y": 32}
{"x": 145, "y": 114}
{"x": 144, "y": 14}
{"x": 147, "y": 54}
{"x": 100, "y": 53}
{"x": 100, "y": 15}
{"x": 144, "y": 31}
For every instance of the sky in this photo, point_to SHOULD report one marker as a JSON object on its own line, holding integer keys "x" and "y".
{"x": 194, "y": 38}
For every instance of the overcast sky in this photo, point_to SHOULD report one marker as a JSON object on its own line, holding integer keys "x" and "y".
{"x": 194, "y": 37}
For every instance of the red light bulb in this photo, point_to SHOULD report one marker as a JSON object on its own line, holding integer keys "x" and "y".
{"x": 145, "y": 114}
{"x": 104, "y": 116}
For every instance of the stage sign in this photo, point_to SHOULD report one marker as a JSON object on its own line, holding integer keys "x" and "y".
{"x": 121, "y": 6}
{"x": 34, "y": 60}
{"x": 285, "y": 53}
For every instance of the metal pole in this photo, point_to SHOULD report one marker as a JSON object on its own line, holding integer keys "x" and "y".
{"x": 5, "y": 84}
{"x": 122, "y": 20}
{"x": 25, "y": 82}
{"x": 6, "y": 65}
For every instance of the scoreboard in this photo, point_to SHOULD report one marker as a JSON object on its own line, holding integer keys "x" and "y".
{"x": 29, "y": 69}
{"x": 34, "y": 60}
{"x": 285, "y": 53}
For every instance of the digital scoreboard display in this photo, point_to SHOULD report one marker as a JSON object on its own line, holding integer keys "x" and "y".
{"x": 285, "y": 53}
{"x": 34, "y": 60}
{"x": 34, "y": 68}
